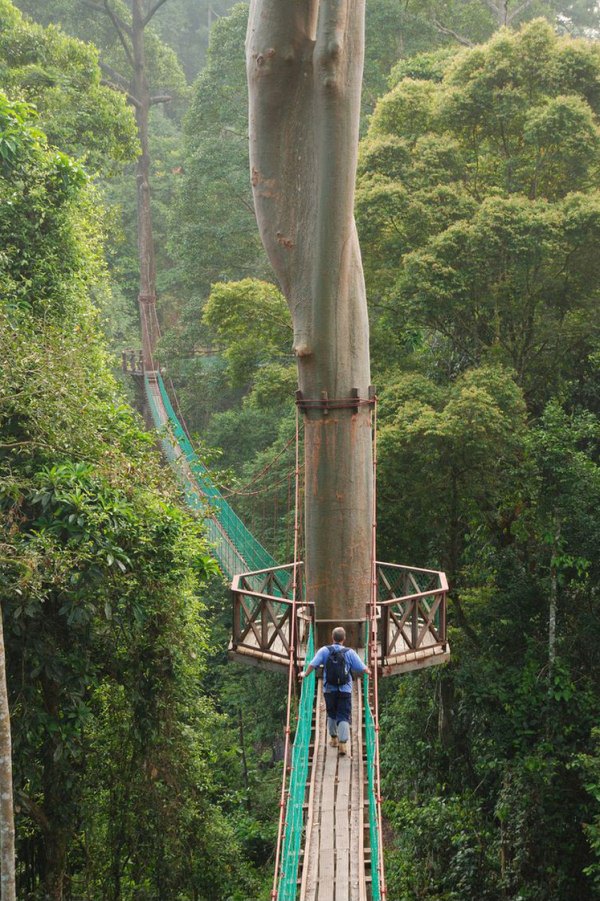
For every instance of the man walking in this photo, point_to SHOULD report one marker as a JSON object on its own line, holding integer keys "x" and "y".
{"x": 339, "y": 664}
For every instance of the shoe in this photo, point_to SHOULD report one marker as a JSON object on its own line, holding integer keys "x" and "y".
{"x": 343, "y": 748}
{"x": 333, "y": 741}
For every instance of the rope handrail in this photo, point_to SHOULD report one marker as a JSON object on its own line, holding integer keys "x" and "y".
{"x": 288, "y": 863}
{"x": 289, "y": 834}
{"x": 378, "y": 888}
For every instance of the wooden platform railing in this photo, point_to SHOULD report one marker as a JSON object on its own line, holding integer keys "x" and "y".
{"x": 132, "y": 362}
{"x": 262, "y": 614}
{"x": 412, "y": 608}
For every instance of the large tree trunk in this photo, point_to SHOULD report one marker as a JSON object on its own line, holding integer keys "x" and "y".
{"x": 141, "y": 92}
{"x": 7, "y": 820}
{"x": 305, "y": 60}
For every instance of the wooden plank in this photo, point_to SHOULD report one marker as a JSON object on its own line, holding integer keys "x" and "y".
{"x": 342, "y": 831}
{"x": 308, "y": 878}
{"x": 358, "y": 783}
{"x": 261, "y": 661}
{"x": 402, "y": 665}
{"x": 333, "y": 868}
{"x": 343, "y": 814}
{"x": 327, "y": 838}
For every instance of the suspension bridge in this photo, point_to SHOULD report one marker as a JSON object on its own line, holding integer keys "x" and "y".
{"x": 330, "y": 842}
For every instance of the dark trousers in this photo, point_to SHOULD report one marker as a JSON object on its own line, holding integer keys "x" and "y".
{"x": 339, "y": 706}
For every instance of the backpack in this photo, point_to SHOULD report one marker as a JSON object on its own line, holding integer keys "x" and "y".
{"x": 337, "y": 671}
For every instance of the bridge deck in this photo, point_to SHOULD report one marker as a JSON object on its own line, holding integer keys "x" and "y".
{"x": 333, "y": 862}
{"x": 275, "y": 656}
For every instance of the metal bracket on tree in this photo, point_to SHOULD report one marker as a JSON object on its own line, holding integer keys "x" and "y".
{"x": 325, "y": 403}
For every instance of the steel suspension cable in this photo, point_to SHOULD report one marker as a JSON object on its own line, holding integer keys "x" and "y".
{"x": 373, "y": 660}
{"x": 291, "y": 667}
{"x": 227, "y": 492}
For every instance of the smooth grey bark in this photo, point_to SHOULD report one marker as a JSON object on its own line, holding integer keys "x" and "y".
{"x": 7, "y": 818}
{"x": 146, "y": 254}
{"x": 304, "y": 63}
{"x": 132, "y": 38}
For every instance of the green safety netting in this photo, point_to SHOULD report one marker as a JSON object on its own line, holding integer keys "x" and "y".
{"x": 294, "y": 813}
{"x": 238, "y": 550}
{"x": 371, "y": 787}
{"x": 235, "y": 546}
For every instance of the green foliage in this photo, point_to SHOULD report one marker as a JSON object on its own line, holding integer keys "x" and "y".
{"x": 185, "y": 25}
{"x": 89, "y": 24}
{"x": 454, "y": 831}
{"x": 478, "y": 208}
{"x": 590, "y": 765}
{"x": 252, "y": 320}
{"x": 61, "y": 76}
{"x": 115, "y": 743}
{"x": 466, "y": 441}
{"x": 214, "y": 231}
{"x": 155, "y": 762}
{"x": 478, "y": 203}
{"x": 49, "y": 252}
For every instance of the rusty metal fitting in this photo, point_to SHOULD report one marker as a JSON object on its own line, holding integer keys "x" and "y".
{"x": 324, "y": 404}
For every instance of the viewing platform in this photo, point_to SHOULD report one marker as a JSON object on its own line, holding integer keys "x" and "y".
{"x": 411, "y": 617}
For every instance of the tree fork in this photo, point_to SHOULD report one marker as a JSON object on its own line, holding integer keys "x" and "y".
{"x": 304, "y": 61}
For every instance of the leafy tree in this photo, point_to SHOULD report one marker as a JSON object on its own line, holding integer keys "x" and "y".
{"x": 135, "y": 62}
{"x": 478, "y": 206}
{"x": 101, "y": 573}
{"x": 466, "y": 438}
{"x": 253, "y": 320}
{"x": 478, "y": 185}
{"x": 62, "y": 77}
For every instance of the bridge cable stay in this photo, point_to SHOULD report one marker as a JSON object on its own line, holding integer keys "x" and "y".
{"x": 371, "y": 706}
{"x": 236, "y": 548}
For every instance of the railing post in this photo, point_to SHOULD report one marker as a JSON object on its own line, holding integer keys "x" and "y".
{"x": 443, "y": 618}
{"x": 264, "y": 626}
{"x": 415, "y": 623}
{"x": 385, "y": 634}
{"x": 237, "y": 626}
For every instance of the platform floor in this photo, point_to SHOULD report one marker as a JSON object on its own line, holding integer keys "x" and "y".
{"x": 333, "y": 863}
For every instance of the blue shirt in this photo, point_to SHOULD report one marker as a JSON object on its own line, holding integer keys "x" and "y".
{"x": 354, "y": 663}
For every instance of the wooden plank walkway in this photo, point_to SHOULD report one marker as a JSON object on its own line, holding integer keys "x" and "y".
{"x": 333, "y": 865}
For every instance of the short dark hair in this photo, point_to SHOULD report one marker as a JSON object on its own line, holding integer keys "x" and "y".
{"x": 339, "y": 633}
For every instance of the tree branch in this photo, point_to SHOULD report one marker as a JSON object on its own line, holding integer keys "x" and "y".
{"x": 517, "y": 12}
{"x": 116, "y": 77}
{"x": 122, "y": 29}
{"x": 494, "y": 8}
{"x": 102, "y": 8}
{"x": 457, "y": 37}
{"x": 96, "y": 7}
{"x": 160, "y": 98}
{"x": 153, "y": 11}
{"x": 115, "y": 87}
